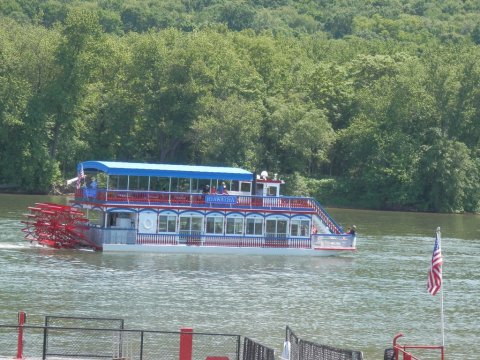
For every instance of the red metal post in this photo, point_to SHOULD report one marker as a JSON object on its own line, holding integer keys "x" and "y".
{"x": 186, "y": 344}
{"x": 395, "y": 349}
{"x": 21, "y": 321}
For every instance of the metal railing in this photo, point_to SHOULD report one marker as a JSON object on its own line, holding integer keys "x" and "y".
{"x": 130, "y": 236}
{"x": 101, "y": 196}
{"x": 306, "y": 350}
{"x": 57, "y": 341}
{"x": 45, "y": 342}
{"x": 253, "y": 350}
{"x": 403, "y": 352}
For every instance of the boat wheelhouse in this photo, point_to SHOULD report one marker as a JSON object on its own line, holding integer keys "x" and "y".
{"x": 201, "y": 209}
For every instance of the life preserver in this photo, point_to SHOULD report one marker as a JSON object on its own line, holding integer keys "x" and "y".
{"x": 147, "y": 224}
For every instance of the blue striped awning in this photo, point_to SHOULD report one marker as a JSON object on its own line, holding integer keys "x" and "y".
{"x": 166, "y": 170}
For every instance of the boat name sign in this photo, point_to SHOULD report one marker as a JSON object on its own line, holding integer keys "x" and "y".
{"x": 220, "y": 199}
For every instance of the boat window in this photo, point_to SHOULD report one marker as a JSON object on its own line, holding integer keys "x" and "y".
{"x": 95, "y": 217}
{"x": 159, "y": 183}
{"x": 300, "y": 228}
{"x": 167, "y": 223}
{"x": 235, "y": 226}
{"x": 276, "y": 228}
{"x": 246, "y": 187}
{"x": 201, "y": 185}
{"x": 122, "y": 220}
{"x": 197, "y": 223}
{"x": 118, "y": 182}
{"x": 254, "y": 226}
{"x": 272, "y": 191}
{"x": 234, "y": 186}
{"x": 180, "y": 185}
{"x": 191, "y": 224}
{"x": 138, "y": 183}
{"x": 215, "y": 225}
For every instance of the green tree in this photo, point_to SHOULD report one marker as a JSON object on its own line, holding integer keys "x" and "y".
{"x": 449, "y": 175}
{"x": 168, "y": 96}
{"x": 27, "y": 67}
{"x": 76, "y": 60}
{"x": 238, "y": 15}
{"x": 228, "y": 132}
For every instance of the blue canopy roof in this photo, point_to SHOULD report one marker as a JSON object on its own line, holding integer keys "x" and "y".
{"x": 167, "y": 170}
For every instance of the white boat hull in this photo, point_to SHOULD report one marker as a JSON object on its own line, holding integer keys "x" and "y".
{"x": 224, "y": 250}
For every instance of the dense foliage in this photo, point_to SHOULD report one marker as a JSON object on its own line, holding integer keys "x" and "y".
{"x": 369, "y": 103}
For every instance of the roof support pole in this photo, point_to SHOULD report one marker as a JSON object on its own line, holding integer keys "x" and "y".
{"x": 106, "y": 190}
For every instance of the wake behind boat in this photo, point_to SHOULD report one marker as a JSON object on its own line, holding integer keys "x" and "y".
{"x": 166, "y": 208}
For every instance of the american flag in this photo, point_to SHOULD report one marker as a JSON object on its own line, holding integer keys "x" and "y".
{"x": 435, "y": 272}
{"x": 80, "y": 176}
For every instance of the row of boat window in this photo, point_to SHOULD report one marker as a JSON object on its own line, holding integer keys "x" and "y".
{"x": 217, "y": 225}
{"x": 169, "y": 184}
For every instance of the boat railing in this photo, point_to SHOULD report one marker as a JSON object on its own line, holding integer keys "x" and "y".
{"x": 127, "y": 236}
{"x": 326, "y": 218}
{"x": 131, "y": 237}
{"x": 403, "y": 352}
{"x": 103, "y": 196}
{"x": 117, "y": 236}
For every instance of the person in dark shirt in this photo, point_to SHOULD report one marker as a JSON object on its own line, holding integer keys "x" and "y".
{"x": 352, "y": 230}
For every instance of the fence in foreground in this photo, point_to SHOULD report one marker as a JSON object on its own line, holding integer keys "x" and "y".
{"x": 101, "y": 338}
{"x": 253, "y": 350}
{"x": 42, "y": 342}
{"x": 307, "y": 350}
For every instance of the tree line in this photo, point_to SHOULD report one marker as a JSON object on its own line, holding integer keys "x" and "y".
{"x": 383, "y": 114}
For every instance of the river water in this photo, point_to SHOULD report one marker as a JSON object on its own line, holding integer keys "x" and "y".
{"x": 359, "y": 301}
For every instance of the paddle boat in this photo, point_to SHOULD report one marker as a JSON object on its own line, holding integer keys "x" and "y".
{"x": 165, "y": 208}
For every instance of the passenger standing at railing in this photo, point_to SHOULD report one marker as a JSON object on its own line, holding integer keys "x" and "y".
{"x": 93, "y": 184}
{"x": 91, "y": 191}
{"x": 206, "y": 189}
{"x": 352, "y": 231}
{"x": 222, "y": 188}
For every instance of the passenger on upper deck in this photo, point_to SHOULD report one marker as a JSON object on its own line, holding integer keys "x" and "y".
{"x": 222, "y": 189}
{"x": 93, "y": 183}
{"x": 206, "y": 189}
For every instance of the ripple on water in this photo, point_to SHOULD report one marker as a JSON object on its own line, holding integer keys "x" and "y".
{"x": 359, "y": 301}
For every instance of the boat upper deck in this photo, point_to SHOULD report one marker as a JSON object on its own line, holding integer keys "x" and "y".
{"x": 107, "y": 185}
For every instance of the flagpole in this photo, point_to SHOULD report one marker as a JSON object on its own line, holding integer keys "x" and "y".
{"x": 441, "y": 288}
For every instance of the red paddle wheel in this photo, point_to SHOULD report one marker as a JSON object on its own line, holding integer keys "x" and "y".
{"x": 57, "y": 226}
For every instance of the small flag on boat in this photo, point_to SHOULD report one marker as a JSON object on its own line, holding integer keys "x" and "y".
{"x": 80, "y": 176}
{"x": 435, "y": 272}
